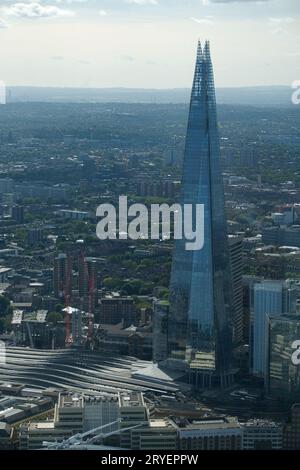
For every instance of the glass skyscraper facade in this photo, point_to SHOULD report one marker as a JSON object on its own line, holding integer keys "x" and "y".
{"x": 283, "y": 378}
{"x": 270, "y": 298}
{"x": 200, "y": 317}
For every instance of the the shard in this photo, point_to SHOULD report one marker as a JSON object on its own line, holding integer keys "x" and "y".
{"x": 199, "y": 324}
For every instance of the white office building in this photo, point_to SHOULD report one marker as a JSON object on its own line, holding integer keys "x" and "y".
{"x": 269, "y": 298}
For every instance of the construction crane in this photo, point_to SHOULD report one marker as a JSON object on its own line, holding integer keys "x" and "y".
{"x": 89, "y": 281}
{"x": 87, "y": 439}
{"x": 67, "y": 295}
{"x": 91, "y": 292}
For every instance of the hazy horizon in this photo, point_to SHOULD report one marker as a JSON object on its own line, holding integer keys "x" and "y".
{"x": 257, "y": 96}
{"x": 142, "y": 88}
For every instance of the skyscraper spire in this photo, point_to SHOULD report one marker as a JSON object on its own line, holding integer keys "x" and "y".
{"x": 198, "y": 72}
{"x": 206, "y": 50}
{"x": 199, "y": 51}
{"x": 199, "y": 327}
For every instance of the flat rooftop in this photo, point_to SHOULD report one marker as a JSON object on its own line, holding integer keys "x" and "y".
{"x": 222, "y": 423}
{"x": 70, "y": 401}
{"x": 159, "y": 423}
{"x": 43, "y": 425}
{"x": 131, "y": 400}
{"x": 261, "y": 423}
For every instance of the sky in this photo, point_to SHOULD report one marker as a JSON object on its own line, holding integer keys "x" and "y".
{"x": 147, "y": 43}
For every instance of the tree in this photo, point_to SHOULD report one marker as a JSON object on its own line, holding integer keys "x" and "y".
{"x": 5, "y": 313}
{"x": 110, "y": 283}
{"x": 5, "y": 307}
{"x": 5, "y": 323}
{"x": 54, "y": 317}
{"x": 133, "y": 287}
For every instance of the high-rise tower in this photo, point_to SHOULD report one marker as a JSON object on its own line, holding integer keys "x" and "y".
{"x": 199, "y": 325}
{"x": 62, "y": 268}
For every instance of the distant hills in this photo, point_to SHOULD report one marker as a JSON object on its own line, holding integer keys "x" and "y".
{"x": 278, "y": 96}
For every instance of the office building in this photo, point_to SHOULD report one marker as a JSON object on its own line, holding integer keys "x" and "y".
{"x": 159, "y": 434}
{"x": 248, "y": 302}
{"x": 5, "y": 436}
{"x": 34, "y": 236}
{"x": 269, "y": 298}
{"x": 261, "y": 434}
{"x": 101, "y": 410}
{"x": 133, "y": 411}
{"x": 208, "y": 434}
{"x": 201, "y": 304}
{"x": 281, "y": 236}
{"x": 33, "y": 435}
{"x": 114, "y": 310}
{"x": 68, "y": 420}
{"x": 160, "y": 330}
{"x": 62, "y": 274}
{"x": 130, "y": 341}
{"x": 285, "y": 215}
{"x": 236, "y": 265}
{"x": 283, "y": 377}
{"x": 87, "y": 283}
{"x": 68, "y": 412}
{"x": 17, "y": 214}
{"x": 291, "y": 432}
{"x": 165, "y": 188}
{"x": 145, "y": 433}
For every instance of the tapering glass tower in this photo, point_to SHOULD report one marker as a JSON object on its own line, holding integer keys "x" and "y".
{"x": 199, "y": 326}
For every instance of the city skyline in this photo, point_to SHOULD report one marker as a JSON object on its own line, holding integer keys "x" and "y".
{"x": 149, "y": 250}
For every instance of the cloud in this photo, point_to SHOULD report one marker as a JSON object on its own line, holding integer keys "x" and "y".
{"x": 84, "y": 62}
{"x": 278, "y": 31}
{"x": 283, "y": 20}
{"x": 128, "y": 58}
{"x": 293, "y": 54}
{"x": 3, "y": 24}
{"x": 279, "y": 23}
{"x": 36, "y": 10}
{"x": 102, "y": 13}
{"x": 142, "y": 2}
{"x": 205, "y": 21}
